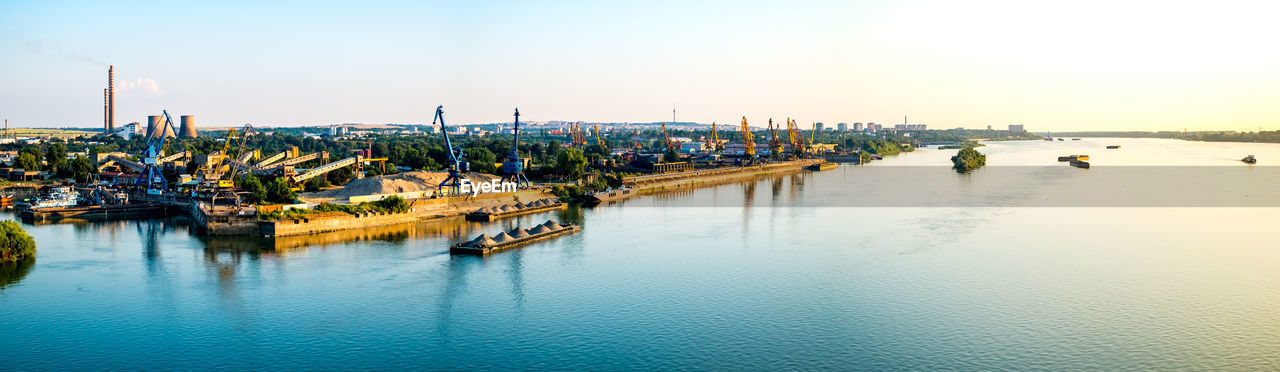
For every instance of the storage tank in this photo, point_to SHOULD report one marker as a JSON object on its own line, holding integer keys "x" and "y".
{"x": 188, "y": 129}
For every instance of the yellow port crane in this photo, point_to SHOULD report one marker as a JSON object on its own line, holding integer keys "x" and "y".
{"x": 599, "y": 141}
{"x": 748, "y": 140}
{"x": 666, "y": 140}
{"x": 713, "y": 142}
{"x": 797, "y": 139}
{"x": 775, "y": 144}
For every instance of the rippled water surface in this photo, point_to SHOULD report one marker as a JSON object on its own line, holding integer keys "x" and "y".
{"x": 655, "y": 283}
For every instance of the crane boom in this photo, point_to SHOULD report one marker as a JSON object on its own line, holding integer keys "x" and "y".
{"x": 457, "y": 159}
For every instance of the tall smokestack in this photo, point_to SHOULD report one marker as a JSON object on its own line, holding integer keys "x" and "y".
{"x": 111, "y": 98}
{"x": 106, "y": 116}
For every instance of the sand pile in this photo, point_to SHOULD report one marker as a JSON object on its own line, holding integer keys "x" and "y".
{"x": 396, "y": 183}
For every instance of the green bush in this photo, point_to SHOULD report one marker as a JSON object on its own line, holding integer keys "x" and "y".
{"x": 968, "y": 159}
{"x": 393, "y": 204}
{"x": 15, "y": 244}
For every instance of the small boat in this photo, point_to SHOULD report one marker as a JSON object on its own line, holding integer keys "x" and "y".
{"x": 1074, "y": 158}
{"x": 1048, "y": 138}
{"x": 1080, "y": 164}
{"x": 1075, "y": 139}
{"x": 1113, "y": 147}
{"x": 822, "y": 166}
{"x": 1250, "y": 160}
{"x": 1061, "y": 139}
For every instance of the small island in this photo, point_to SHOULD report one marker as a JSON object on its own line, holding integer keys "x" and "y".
{"x": 15, "y": 244}
{"x": 968, "y": 159}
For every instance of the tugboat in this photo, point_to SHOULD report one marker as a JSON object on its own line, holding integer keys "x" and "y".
{"x": 1249, "y": 160}
{"x": 56, "y": 198}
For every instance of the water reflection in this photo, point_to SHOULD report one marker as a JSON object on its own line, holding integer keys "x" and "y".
{"x": 12, "y": 272}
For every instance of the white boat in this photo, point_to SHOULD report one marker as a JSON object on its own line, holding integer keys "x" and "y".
{"x": 56, "y": 197}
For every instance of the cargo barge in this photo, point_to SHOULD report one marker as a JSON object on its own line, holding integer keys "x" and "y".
{"x": 95, "y": 212}
{"x": 484, "y": 245}
{"x": 822, "y": 166}
{"x": 493, "y": 213}
{"x": 1080, "y": 164}
{"x": 1113, "y": 147}
{"x": 609, "y": 195}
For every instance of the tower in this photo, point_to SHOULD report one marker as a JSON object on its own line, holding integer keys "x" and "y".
{"x": 111, "y": 98}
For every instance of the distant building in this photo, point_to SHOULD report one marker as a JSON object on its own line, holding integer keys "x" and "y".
{"x": 128, "y": 130}
{"x": 842, "y": 127}
{"x": 988, "y": 126}
{"x": 1016, "y": 128}
{"x": 857, "y": 127}
{"x": 906, "y": 127}
{"x": 817, "y": 126}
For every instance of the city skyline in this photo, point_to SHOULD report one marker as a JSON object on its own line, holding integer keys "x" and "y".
{"x": 1058, "y": 68}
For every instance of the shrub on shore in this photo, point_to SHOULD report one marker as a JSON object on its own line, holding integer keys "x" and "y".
{"x": 15, "y": 244}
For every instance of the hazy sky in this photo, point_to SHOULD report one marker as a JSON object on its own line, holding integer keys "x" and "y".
{"x": 1071, "y": 65}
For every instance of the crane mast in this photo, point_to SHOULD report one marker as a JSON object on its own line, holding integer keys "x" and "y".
{"x": 152, "y": 178}
{"x": 513, "y": 168}
{"x": 457, "y": 159}
{"x": 748, "y": 140}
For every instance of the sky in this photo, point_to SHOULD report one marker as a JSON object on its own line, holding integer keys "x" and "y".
{"x": 1053, "y": 66}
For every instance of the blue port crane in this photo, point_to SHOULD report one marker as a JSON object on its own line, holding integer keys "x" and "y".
{"x": 152, "y": 178}
{"x": 457, "y": 159}
{"x": 513, "y": 168}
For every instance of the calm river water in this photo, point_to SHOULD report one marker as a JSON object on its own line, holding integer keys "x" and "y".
{"x": 777, "y": 273}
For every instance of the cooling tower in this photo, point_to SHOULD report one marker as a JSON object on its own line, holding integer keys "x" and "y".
{"x": 152, "y": 122}
{"x": 188, "y": 129}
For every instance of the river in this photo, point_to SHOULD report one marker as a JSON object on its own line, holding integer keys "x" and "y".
{"x": 783, "y": 272}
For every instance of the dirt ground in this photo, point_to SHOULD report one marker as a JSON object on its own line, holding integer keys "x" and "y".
{"x": 388, "y": 184}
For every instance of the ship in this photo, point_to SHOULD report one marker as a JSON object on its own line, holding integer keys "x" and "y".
{"x": 822, "y": 166}
{"x": 1080, "y": 164}
{"x": 483, "y": 245}
{"x": 1060, "y": 139}
{"x": 1249, "y": 159}
{"x": 1074, "y": 158}
{"x": 1113, "y": 147}
{"x": 56, "y": 197}
{"x": 1075, "y": 139}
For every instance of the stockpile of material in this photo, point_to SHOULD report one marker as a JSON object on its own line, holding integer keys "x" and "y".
{"x": 396, "y": 183}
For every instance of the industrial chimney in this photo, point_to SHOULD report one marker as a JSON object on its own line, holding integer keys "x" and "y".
{"x": 188, "y": 127}
{"x": 106, "y": 115}
{"x": 111, "y": 98}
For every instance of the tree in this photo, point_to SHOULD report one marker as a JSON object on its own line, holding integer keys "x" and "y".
{"x": 278, "y": 191}
{"x": 54, "y": 155}
{"x": 340, "y": 176}
{"x": 15, "y": 244}
{"x": 28, "y": 161}
{"x": 670, "y": 156}
{"x": 315, "y": 184}
{"x": 80, "y": 168}
{"x": 252, "y": 185}
{"x": 968, "y": 159}
{"x": 482, "y": 159}
{"x": 570, "y": 163}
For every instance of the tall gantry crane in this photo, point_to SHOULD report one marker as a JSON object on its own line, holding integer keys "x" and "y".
{"x": 457, "y": 159}
{"x": 666, "y": 140}
{"x": 775, "y": 143}
{"x": 599, "y": 141}
{"x": 796, "y": 138}
{"x": 748, "y": 141}
{"x": 713, "y": 142}
{"x": 152, "y": 179}
{"x": 513, "y": 168}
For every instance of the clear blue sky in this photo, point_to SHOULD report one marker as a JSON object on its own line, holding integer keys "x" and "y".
{"x": 1081, "y": 65}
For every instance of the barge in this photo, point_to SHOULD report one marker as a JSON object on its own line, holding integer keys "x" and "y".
{"x": 1080, "y": 164}
{"x": 822, "y": 166}
{"x": 94, "y": 212}
{"x": 484, "y": 245}
{"x": 609, "y": 195}
{"x": 487, "y": 214}
{"x": 1113, "y": 147}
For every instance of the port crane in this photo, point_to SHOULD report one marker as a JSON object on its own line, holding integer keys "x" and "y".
{"x": 775, "y": 143}
{"x": 748, "y": 143}
{"x": 713, "y": 142}
{"x": 152, "y": 179}
{"x": 457, "y": 159}
{"x": 575, "y": 135}
{"x": 599, "y": 141}
{"x": 796, "y": 138}
{"x": 513, "y": 168}
{"x": 666, "y": 140}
